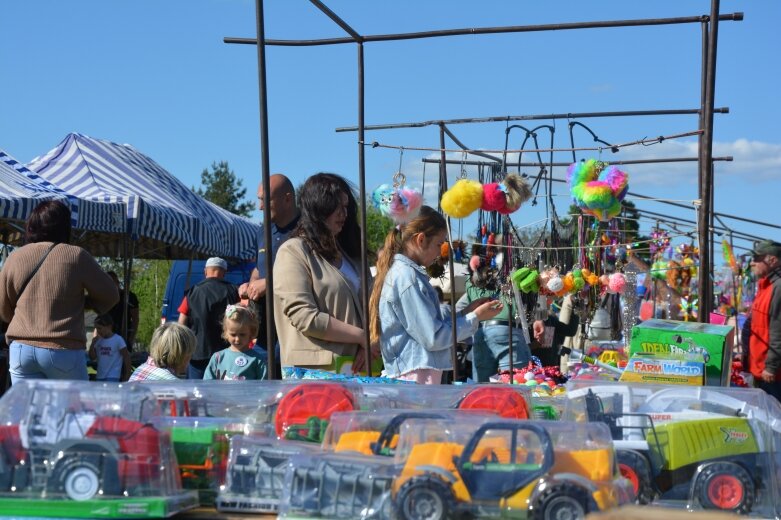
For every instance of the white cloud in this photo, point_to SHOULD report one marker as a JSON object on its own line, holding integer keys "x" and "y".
{"x": 753, "y": 161}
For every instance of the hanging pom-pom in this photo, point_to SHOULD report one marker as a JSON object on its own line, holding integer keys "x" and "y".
{"x": 569, "y": 282}
{"x": 616, "y": 283}
{"x": 517, "y": 191}
{"x": 444, "y": 250}
{"x": 405, "y": 205}
{"x": 493, "y": 197}
{"x": 463, "y": 199}
{"x": 518, "y": 275}
{"x": 597, "y": 189}
{"x": 474, "y": 263}
{"x": 381, "y": 198}
{"x": 399, "y": 203}
{"x": 555, "y": 284}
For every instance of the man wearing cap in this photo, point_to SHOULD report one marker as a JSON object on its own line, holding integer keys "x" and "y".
{"x": 202, "y": 310}
{"x": 765, "y": 343}
{"x": 284, "y": 217}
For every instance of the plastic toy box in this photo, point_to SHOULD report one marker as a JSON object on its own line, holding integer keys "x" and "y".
{"x": 76, "y": 450}
{"x": 257, "y": 466}
{"x": 474, "y": 466}
{"x": 509, "y": 401}
{"x": 256, "y": 473}
{"x": 201, "y": 448}
{"x": 664, "y": 337}
{"x": 699, "y": 448}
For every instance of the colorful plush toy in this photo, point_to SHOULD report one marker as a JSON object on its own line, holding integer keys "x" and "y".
{"x": 506, "y": 196}
{"x": 463, "y": 198}
{"x": 597, "y": 189}
{"x": 397, "y": 202}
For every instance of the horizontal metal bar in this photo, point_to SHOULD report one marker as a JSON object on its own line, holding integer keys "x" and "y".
{"x": 721, "y": 230}
{"x": 738, "y": 16}
{"x": 546, "y": 117}
{"x": 727, "y": 158}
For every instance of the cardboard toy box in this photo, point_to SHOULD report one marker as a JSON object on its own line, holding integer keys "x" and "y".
{"x": 645, "y": 367}
{"x": 665, "y": 337}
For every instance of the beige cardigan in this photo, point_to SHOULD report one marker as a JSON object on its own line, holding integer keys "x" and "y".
{"x": 307, "y": 291}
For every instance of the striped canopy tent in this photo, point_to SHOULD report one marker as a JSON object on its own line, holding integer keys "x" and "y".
{"x": 165, "y": 218}
{"x": 244, "y": 234}
{"x": 21, "y": 190}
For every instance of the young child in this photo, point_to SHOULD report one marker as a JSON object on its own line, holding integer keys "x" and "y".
{"x": 110, "y": 351}
{"x": 414, "y": 332}
{"x": 170, "y": 350}
{"x": 239, "y": 361}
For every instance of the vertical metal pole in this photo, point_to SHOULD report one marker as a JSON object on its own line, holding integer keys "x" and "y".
{"x": 451, "y": 257}
{"x": 362, "y": 187}
{"x": 265, "y": 173}
{"x": 706, "y": 169}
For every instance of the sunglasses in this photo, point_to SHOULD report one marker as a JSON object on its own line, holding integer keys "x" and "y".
{"x": 758, "y": 258}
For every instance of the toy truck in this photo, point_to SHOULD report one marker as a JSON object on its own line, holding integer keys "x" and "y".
{"x": 702, "y": 447}
{"x": 87, "y": 444}
{"x": 467, "y": 468}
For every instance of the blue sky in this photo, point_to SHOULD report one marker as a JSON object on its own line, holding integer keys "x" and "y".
{"x": 157, "y": 75}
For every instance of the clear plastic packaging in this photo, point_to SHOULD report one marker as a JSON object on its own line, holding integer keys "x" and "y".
{"x": 70, "y": 449}
{"x": 201, "y": 448}
{"x": 256, "y": 473}
{"x": 508, "y": 401}
{"x": 377, "y": 432}
{"x": 472, "y": 466}
{"x": 293, "y": 410}
{"x": 699, "y": 448}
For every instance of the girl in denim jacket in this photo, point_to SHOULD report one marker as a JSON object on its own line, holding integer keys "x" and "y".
{"x": 405, "y": 318}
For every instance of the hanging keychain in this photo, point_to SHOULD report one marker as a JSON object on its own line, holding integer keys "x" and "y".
{"x": 395, "y": 201}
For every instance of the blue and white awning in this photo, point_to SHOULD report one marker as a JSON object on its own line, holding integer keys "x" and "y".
{"x": 161, "y": 211}
{"x": 21, "y": 190}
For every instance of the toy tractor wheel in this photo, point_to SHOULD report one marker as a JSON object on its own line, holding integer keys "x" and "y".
{"x": 500, "y": 399}
{"x": 82, "y": 482}
{"x": 83, "y": 477}
{"x": 561, "y": 502}
{"x": 635, "y": 468}
{"x": 726, "y": 486}
{"x": 308, "y": 401}
{"x": 425, "y": 498}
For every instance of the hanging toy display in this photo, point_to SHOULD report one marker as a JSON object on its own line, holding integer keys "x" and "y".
{"x": 597, "y": 188}
{"x": 507, "y": 196}
{"x": 463, "y": 198}
{"x": 397, "y": 202}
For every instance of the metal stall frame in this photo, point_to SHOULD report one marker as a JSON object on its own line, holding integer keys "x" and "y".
{"x": 709, "y": 24}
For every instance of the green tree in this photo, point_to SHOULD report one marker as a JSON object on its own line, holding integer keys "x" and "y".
{"x": 377, "y": 228}
{"x": 223, "y": 188}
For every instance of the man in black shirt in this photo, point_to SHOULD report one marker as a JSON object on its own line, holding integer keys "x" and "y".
{"x": 202, "y": 309}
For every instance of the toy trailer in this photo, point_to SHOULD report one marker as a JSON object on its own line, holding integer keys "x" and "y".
{"x": 707, "y": 448}
{"x": 256, "y": 474}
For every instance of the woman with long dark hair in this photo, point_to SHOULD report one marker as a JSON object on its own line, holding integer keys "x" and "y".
{"x": 317, "y": 281}
{"x": 44, "y": 288}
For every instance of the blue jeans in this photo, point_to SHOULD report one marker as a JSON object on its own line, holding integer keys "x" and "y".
{"x": 491, "y": 351}
{"x": 30, "y": 362}
{"x": 195, "y": 372}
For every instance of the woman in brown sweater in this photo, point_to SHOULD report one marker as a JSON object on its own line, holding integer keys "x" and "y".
{"x": 45, "y": 308}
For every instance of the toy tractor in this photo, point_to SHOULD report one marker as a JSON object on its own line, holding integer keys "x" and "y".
{"x": 467, "y": 467}
{"x": 63, "y": 449}
{"x": 689, "y": 444}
